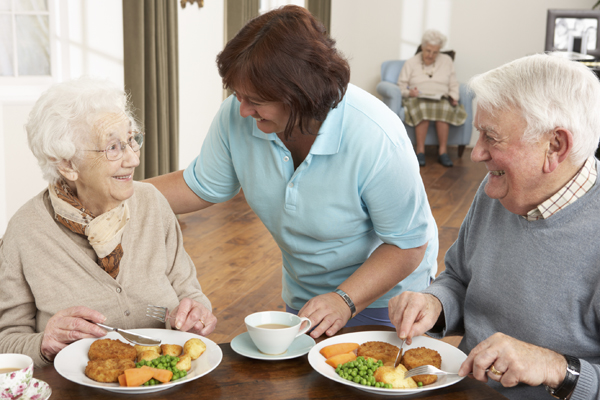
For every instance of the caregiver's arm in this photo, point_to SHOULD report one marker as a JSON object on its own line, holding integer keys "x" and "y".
{"x": 181, "y": 198}
{"x": 386, "y": 266}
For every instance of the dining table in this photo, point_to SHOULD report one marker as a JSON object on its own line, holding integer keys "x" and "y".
{"x": 240, "y": 377}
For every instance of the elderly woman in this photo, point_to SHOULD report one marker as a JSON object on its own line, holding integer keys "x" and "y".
{"x": 327, "y": 167}
{"x": 94, "y": 246}
{"x": 522, "y": 280}
{"x": 430, "y": 93}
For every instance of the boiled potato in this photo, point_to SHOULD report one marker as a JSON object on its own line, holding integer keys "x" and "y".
{"x": 194, "y": 347}
{"x": 185, "y": 362}
{"x": 395, "y": 376}
{"x": 147, "y": 355}
{"x": 139, "y": 349}
{"x": 171, "y": 349}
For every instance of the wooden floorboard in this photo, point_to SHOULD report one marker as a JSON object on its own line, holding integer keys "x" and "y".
{"x": 239, "y": 264}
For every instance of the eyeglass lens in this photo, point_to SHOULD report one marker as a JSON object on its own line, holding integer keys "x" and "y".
{"x": 115, "y": 151}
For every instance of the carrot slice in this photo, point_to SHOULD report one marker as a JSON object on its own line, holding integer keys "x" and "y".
{"x": 341, "y": 359}
{"x": 138, "y": 376}
{"x": 161, "y": 375}
{"x": 122, "y": 380}
{"x": 339, "y": 348}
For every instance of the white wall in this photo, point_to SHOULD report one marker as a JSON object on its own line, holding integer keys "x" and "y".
{"x": 201, "y": 35}
{"x": 485, "y": 34}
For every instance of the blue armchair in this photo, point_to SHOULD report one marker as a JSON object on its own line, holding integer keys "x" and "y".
{"x": 392, "y": 96}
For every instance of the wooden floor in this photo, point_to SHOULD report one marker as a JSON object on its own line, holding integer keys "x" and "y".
{"x": 239, "y": 264}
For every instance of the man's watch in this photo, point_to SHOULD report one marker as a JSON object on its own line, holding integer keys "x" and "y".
{"x": 564, "y": 390}
{"x": 348, "y": 301}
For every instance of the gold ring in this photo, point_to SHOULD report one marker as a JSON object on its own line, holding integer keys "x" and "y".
{"x": 494, "y": 371}
{"x": 203, "y": 323}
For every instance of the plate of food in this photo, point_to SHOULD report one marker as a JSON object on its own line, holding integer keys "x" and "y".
{"x": 198, "y": 357}
{"x": 384, "y": 345}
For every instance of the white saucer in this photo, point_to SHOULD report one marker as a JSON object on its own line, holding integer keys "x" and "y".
{"x": 244, "y": 346}
{"x": 38, "y": 390}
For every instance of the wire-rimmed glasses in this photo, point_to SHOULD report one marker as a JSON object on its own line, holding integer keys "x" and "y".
{"x": 114, "y": 151}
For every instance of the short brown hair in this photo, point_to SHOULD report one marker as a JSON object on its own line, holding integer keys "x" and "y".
{"x": 287, "y": 56}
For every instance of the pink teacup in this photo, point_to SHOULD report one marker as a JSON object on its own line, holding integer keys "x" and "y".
{"x": 16, "y": 371}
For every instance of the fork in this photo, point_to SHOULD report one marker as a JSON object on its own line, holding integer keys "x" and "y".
{"x": 159, "y": 313}
{"x": 426, "y": 370}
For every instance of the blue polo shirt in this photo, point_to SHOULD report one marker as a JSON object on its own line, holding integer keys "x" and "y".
{"x": 358, "y": 187}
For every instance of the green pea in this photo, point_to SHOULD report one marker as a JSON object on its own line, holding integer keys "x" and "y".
{"x": 420, "y": 384}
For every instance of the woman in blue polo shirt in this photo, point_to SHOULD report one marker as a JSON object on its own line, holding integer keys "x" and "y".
{"x": 327, "y": 167}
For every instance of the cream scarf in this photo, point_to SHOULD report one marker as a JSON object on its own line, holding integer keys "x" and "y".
{"x": 104, "y": 232}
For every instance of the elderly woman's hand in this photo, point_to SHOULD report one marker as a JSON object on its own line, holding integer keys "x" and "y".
{"x": 413, "y": 313}
{"x": 414, "y": 92}
{"x": 510, "y": 361}
{"x": 454, "y": 102}
{"x": 328, "y": 313}
{"x": 68, "y": 326}
{"x": 191, "y": 316}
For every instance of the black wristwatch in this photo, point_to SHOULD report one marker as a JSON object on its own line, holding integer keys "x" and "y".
{"x": 564, "y": 390}
{"x": 348, "y": 301}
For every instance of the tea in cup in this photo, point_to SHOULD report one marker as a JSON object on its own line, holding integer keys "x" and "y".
{"x": 16, "y": 371}
{"x": 274, "y": 331}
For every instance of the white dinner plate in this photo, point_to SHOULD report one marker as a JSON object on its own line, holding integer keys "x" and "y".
{"x": 452, "y": 358}
{"x": 71, "y": 361}
{"x": 244, "y": 346}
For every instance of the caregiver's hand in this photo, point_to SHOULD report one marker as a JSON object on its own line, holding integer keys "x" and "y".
{"x": 327, "y": 312}
{"x": 68, "y": 326}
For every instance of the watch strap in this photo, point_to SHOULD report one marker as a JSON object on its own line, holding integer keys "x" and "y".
{"x": 564, "y": 390}
{"x": 348, "y": 301}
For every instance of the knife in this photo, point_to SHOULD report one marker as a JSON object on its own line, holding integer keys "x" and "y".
{"x": 399, "y": 355}
{"x": 135, "y": 338}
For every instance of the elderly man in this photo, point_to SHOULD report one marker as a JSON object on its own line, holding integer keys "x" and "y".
{"x": 522, "y": 281}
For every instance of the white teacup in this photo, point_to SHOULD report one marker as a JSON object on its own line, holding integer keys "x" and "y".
{"x": 16, "y": 371}
{"x": 274, "y": 331}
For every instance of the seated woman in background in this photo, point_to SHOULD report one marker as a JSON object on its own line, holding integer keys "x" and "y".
{"x": 95, "y": 245}
{"x": 430, "y": 93}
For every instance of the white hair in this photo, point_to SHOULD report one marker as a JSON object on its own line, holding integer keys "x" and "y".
{"x": 434, "y": 38}
{"x": 549, "y": 92}
{"x": 62, "y": 118}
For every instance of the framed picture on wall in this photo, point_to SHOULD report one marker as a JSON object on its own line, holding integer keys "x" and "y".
{"x": 573, "y": 31}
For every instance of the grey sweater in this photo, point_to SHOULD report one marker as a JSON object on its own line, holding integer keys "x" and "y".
{"x": 538, "y": 282}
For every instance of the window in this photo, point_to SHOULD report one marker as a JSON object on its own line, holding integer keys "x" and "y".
{"x": 25, "y": 38}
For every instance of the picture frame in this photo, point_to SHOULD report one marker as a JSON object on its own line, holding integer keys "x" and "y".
{"x": 569, "y": 30}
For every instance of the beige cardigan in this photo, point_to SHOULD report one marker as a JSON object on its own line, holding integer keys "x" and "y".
{"x": 45, "y": 268}
{"x": 442, "y": 82}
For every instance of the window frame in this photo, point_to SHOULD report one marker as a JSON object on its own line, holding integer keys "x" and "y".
{"x": 30, "y": 86}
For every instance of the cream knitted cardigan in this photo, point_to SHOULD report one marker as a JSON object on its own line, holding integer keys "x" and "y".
{"x": 45, "y": 268}
{"x": 442, "y": 82}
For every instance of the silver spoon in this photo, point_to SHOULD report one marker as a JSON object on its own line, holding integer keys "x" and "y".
{"x": 132, "y": 337}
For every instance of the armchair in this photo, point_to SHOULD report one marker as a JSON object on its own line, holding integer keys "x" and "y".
{"x": 392, "y": 96}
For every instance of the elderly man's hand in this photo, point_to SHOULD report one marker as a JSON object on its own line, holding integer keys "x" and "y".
{"x": 510, "y": 361}
{"x": 413, "y": 314}
{"x": 68, "y": 326}
{"x": 414, "y": 92}
{"x": 328, "y": 313}
{"x": 191, "y": 316}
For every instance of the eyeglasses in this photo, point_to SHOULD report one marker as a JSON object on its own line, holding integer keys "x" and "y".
{"x": 114, "y": 151}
